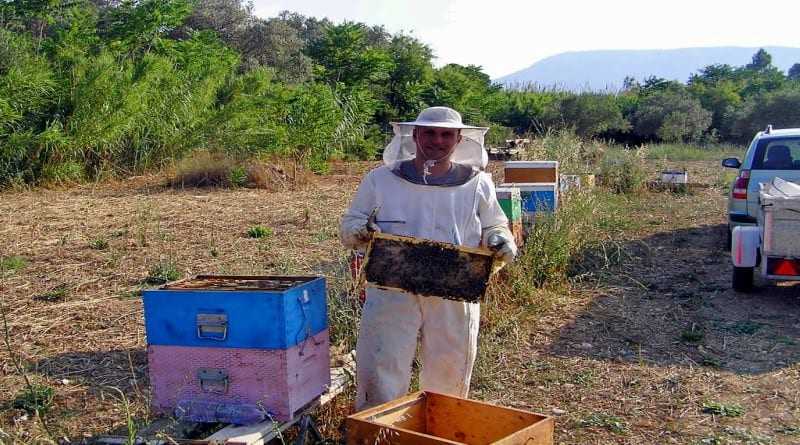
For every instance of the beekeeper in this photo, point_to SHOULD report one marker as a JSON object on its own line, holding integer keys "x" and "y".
{"x": 431, "y": 186}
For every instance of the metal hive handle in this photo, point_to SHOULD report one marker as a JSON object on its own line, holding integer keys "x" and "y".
{"x": 212, "y": 327}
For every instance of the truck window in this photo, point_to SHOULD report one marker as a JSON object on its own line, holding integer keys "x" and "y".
{"x": 777, "y": 154}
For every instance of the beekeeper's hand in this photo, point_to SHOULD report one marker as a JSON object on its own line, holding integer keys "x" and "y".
{"x": 358, "y": 234}
{"x": 503, "y": 246}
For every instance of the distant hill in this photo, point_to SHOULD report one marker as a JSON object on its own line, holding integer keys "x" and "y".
{"x": 601, "y": 70}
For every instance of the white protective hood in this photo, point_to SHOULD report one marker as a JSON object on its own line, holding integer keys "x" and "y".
{"x": 469, "y": 151}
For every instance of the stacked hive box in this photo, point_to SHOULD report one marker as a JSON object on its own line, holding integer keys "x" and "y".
{"x": 511, "y": 203}
{"x": 537, "y": 181}
{"x": 237, "y": 349}
{"x": 538, "y": 184}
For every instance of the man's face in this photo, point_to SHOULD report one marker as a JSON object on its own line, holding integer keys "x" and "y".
{"x": 436, "y": 143}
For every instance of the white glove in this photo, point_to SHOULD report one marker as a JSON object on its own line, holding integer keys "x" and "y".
{"x": 504, "y": 247}
{"x": 358, "y": 234}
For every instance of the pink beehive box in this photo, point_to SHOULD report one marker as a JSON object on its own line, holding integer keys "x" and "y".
{"x": 279, "y": 381}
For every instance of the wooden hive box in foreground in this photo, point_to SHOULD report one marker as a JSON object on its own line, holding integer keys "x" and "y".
{"x": 428, "y": 268}
{"x": 428, "y": 418}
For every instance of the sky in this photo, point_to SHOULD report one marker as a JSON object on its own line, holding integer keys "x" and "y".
{"x": 504, "y": 36}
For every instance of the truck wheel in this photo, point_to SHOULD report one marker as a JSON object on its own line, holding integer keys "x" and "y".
{"x": 743, "y": 279}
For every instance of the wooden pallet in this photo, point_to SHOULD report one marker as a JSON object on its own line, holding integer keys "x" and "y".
{"x": 259, "y": 434}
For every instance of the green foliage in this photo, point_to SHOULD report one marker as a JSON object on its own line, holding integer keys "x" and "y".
{"x": 34, "y": 399}
{"x": 259, "y": 231}
{"x": 93, "y": 89}
{"x": 671, "y": 116}
{"x": 62, "y": 173}
{"x": 163, "y": 272}
{"x": 623, "y": 171}
{"x": 592, "y": 114}
{"x": 59, "y": 293}
{"x": 141, "y": 24}
{"x": 11, "y": 264}
{"x": 574, "y": 154}
{"x": 722, "y": 409}
{"x": 99, "y": 243}
{"x": 346, "y": 56}
{"x": 238, "y": 176}
{"x": 464, "y": 88}
{"x": 689, "y": 152}
{"x": 762, "y": 60}
{"x": 606, "y": 421}
{"x": 692, "y": 335}
{"x": 554, "y": 243}
{"x": 410, "y": 78}
{"x": 779, "y": 108}
{"x": 793, "y": 73}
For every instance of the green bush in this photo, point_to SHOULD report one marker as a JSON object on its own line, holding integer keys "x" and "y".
{"x": 624, "y": 171}
{"x": 671, "y": 116}
{"x": 238, "y": 176}
{"x": 780, "y": 109}
{"x": 62, "y": 173}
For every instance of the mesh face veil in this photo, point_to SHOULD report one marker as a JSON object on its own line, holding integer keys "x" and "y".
{"x": 469, "y": 151}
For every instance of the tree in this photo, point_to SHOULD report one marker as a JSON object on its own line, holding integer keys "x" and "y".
{"x": 411, "y": 76}
{"x": 228, "y": 18}
{"x": 761, "y": 61}
{"x": 592, "y": 114}
{"x": 779, "y": 108}
{"x": 345, "y": 57}
{"x": 794, "y": 72}
{"x": 465, "y": 88}
{"x": 141, "y": 25}
{"x": 671, "y": 116}
{"x": 274, "y": 43}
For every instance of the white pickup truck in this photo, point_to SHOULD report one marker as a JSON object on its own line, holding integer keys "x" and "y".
{"x": 773, "y": 245}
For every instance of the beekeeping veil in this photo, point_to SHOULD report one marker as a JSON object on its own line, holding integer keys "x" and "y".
{"x": 468, "y": 152}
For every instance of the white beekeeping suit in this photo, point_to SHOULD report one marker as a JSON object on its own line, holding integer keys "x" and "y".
{"x": 463, "y": 211}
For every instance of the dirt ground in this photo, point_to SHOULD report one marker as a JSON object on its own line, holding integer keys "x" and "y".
{"x": 657, "y": 349}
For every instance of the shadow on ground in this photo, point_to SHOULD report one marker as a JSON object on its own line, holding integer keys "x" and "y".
{"x": 670, "y": 303}
{"x": 124, "y": 369}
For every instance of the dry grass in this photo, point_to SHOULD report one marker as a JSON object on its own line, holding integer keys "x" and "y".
{"x": 214, "y": 169}
{"x": 603, "y": 353}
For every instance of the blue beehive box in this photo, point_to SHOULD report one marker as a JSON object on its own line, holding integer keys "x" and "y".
{"x": 537, "y": 196}
{"x": 264, "y": 312}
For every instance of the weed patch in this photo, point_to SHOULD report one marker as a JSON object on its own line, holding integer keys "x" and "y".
{"x": 58, "y": 293}
{"x": 99, "y": 243}
{"x": 722, "y": 409}
{"x": 743, "y": 435}
{"x": 686, "y": 152}
{"x": 238, "y": 176}
{"x": 746, "y": 327}
{"x": 259, "y": 231}
{"x": 692, "y": 335}
{"x": 788, "y": 430}
{"x": 625, "y": 171}
{"x": 163, "y": 272}
{"x": 34, "y": 399}
{"x": 11, "y": 264}
{"x": 605, "y": 421}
